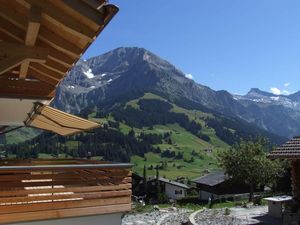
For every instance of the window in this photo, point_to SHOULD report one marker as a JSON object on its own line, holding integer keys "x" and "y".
{"x": 178, "y": 192}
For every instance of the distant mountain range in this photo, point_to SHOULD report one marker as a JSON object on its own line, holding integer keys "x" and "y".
{"x": 119, "y": 76}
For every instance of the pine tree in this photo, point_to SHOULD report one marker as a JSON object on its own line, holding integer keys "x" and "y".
{"x": 145, "y": 179}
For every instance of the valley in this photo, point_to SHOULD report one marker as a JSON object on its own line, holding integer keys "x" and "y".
{"x": 155, "y": 117}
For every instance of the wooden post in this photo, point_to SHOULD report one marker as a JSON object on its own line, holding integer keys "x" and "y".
{"x": 296, "y": 179}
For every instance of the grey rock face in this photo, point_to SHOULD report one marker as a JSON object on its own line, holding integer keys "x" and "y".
{"x": 127, "y": 73}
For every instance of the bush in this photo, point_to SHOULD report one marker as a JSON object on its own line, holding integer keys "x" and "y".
{"x": 227, "y": 211}
{"x": 189, "y": 199}
{"x": 162, "y": 198}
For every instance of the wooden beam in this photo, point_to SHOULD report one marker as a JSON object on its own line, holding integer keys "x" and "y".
{"x": 10, "y": 63}
{"x": 58, "y": 17}
{"x": 15, "y": 28}
{"x": 10, "y": 13}
{"x": 92, "y": 14}
{"x": 13, "y": 92}
{"x": 62, "y": 205}
{"x": 54, "y": 65}
{"x": 64, "y": 213}
{"x": 25, "y": 84}
{"x": 46, "y": 71}
{"x": 13, "y": 49}
{"x": 23, "y": 69}
{"x": 97, "y": 4}
{"x": 56, "y": 55}
{"x": 13, "y": 55}
{"x": 59, "y": 42}
{"x": 34, "y": 22}
{"x": 11, "y": 30}
{"x": 32, "y": 74}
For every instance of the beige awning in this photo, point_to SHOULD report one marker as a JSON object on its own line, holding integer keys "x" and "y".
{"x": 51, "y": 119}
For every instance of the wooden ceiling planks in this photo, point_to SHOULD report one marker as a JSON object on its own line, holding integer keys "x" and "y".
{"x": 65, "y": 28}
{"x": 57, "y": 16}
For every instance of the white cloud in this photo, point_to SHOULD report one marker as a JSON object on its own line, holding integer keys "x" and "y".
{"x": 275, "y": 91}
{"x": 285, "y": 92}
{"x": 287, "y": 84}
{"x": 190, "y": 76}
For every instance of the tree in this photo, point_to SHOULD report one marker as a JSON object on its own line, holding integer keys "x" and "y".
{"x": 159, "y": 195}
{"x": 247, "y": 162}
{"x": 131, "y": 133}
{"x": 145, "y": 179}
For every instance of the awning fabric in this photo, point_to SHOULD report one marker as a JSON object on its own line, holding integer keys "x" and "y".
{"x": 51, "y": 119}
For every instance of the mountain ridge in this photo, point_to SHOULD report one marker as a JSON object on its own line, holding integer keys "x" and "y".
{"x": 126, "y": 73}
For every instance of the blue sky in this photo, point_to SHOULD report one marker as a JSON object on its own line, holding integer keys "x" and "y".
{"x": 229, "y": 45}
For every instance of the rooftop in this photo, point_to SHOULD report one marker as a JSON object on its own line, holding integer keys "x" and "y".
{"x": 288, "y": 150}
{"x": 174, "y": 183}
{"x": 282, "y": 198}
{"x": 212, "y": 178}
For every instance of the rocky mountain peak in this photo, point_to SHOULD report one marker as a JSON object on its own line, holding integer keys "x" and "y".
{"x": 126, "y": 73}
{"x": 258, "y": 92}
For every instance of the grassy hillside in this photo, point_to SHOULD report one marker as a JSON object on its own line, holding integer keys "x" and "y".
{"x": 202, "y": 152}
{"x": 150, "y": 132}
{"x": 182, "y": 141}
{"x": 21, "y": 135}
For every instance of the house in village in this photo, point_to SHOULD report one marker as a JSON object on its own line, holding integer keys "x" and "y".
{"x": 218, "y": 185}
{"x": 289, "y": 151}
{"x": 172, "y": 189}
{"x": 137, "y": 185}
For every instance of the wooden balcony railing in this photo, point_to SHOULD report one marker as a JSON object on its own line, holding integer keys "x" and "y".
{"x": 52, "y": 189}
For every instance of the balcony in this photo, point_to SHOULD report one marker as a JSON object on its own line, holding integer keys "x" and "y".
{"x": 54, "y": 189}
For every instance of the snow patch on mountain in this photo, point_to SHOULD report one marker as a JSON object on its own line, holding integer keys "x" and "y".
{"x": 275, "y": 98}
{"x": 258, "y": 96}
{"x": 89, "y": 73}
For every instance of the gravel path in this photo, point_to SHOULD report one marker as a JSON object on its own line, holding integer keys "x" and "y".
{"x": 171, "y": 216}
{"x": 176, "y": 216}
{"x": 237, "y": 216}
{"x": 216, "y": 217}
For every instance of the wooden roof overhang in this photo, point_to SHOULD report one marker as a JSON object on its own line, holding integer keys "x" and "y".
{"x": 40, "y": 40}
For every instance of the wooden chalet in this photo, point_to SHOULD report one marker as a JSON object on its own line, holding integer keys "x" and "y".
{"x": 291, "y": 151}
{"x": 40, "y": 41}
{"x": 218, "y": 185}
{"x": 172, "y": 189}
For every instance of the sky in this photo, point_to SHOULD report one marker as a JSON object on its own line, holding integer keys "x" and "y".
{"x": 231, "y": 45}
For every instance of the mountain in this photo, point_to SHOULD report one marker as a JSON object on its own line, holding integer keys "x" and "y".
{"x": 133, "y": 71}
{"x": 278, "y": 114}
{"x": 255, "y": 95}
{"x": 123, "y": 74}
{"x": 153, "y": 116}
